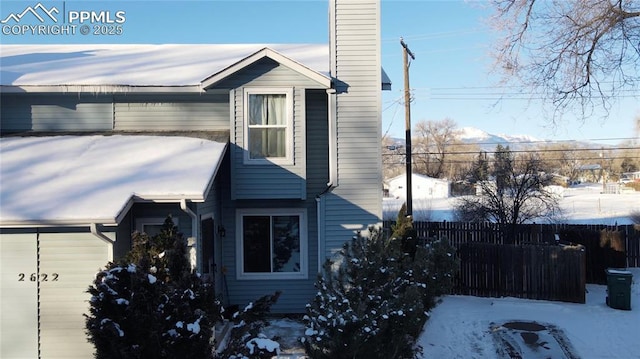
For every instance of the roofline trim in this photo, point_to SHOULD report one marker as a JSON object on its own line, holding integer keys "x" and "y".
{"x": 84, "y": 222}
{"x": 101, "y": 89}
{"x": 273, "y": 55}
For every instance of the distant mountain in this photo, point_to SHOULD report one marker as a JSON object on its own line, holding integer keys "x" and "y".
{"x": 488, "y": 142}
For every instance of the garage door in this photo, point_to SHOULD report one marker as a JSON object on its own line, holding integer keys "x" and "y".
{"x": 18, "y": 296}
{"x": 53, "y": 292}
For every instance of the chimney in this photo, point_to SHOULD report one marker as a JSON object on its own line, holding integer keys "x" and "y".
{"x": 354, "y": 41}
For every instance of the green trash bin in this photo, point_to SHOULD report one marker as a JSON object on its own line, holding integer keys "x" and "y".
{"x": 619, "y": 288}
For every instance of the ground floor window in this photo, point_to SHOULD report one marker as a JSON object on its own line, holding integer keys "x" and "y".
{"x": 272, "y": 243}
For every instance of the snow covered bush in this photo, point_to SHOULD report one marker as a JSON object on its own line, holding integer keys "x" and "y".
{"x": 247, "y": 339}
{"x": 404, "y": 225}
{"x": 403, "y": 230}
{"x": 442, "y": 264}
{"x": 374, "y": 303}
{"x": 150, "y": 304}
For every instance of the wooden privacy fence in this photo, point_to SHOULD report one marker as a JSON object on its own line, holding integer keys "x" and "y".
{"x": 604, "y": 249}
{"x": 600, "y": 240}
{"x": 542, "y": 272}
{"x": 526, "y": 261}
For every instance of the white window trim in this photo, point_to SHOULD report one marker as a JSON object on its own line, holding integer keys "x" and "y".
{"x": 304, "y": 240}
{"x": 152, "y": 221}
{"x": 289, "y": 92}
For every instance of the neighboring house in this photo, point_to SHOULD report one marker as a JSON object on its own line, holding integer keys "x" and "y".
{"x": 255, "y": 151}
{"x": 590, "y": 173}
{"x": 631, "y": 176}
{"x": 422, "y": 187}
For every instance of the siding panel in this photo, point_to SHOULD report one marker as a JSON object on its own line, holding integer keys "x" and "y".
{"x": 55, "y": 113}
{"x": 184, "y": 113}
{"x": 355, "y": 41}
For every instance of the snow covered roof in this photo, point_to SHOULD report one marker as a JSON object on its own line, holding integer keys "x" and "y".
{"x": 416, "y": 176}
{"x": 75, "y": 180}
{"x": 590, "y": 167}
{"x": 177, "y": 65}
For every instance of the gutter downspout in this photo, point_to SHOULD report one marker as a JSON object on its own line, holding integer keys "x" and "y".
{"x": 320, "y": 231}
{"x": 93, "y": 227}
{"x": 319, "y": 221}
{"x": 333, "y": 139}
{"x": 192, "y": 242}
{"x": 332, "y": 135}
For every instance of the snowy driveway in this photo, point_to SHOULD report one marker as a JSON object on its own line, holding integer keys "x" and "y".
{"x": 460, "y": 326}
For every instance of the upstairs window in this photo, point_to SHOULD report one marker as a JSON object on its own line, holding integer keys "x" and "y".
{"x": 269, "y": 126}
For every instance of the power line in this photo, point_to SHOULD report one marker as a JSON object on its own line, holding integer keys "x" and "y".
{"x": 397, "y": 103}
{"x": 550, "y": 142}
{"x": 453, "y": 153}
{"x": 438, "y": 35}
{"x": 504, "y": 90}
{"x": 551, "y": 160}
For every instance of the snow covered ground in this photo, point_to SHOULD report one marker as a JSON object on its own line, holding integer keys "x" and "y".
{"x": 459, "y": 327}
{"x": 580, "y": 204}
{"x": 462, "y": 326}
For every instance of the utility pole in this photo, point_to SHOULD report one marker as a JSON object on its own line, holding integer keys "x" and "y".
{"x": 407, "y": 121}
{"x": 602, "y": 172}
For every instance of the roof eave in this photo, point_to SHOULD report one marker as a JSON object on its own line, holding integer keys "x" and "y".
{"x": 84, "y": 222}
{"x": 98, "y": 89}
{"x": 34, "y": 223}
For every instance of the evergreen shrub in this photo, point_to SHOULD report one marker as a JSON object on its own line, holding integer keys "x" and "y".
{"x": 374, "y": 301}
{"x": 150, "y": 304}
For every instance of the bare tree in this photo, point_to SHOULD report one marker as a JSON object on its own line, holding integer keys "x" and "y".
{"x": 562, "y": 158}
{"x": 516, "y": 193}
{"x": 393, "y": 158}
{"x": 434, "y": 140}
{"x": 583, "y": 52}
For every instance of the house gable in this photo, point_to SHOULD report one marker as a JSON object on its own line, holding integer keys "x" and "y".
{"x": 268, "y": 178}
{"x": 260, "y": 55}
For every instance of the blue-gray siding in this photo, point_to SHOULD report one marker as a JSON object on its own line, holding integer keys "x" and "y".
{"x": 268, "y": 181}
{"x": 355, "y": 61}
{"x": 202, "y": 112}
{"x": 53, "y": 112}
{"x": 91, "y": 113}
{"x": 295, "y": 293}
